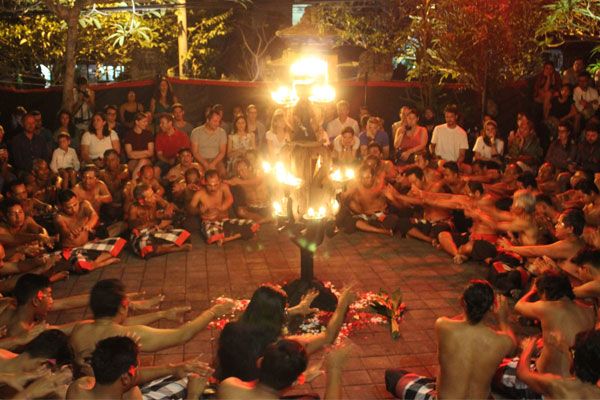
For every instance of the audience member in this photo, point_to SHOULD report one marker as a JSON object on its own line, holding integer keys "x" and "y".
{"x": 97, "y": 140}
{"x": 129, "y": 110}
{"x": 449, "y": 141}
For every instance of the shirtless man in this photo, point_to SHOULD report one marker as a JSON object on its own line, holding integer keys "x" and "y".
{"x": 21, "y": 236}
{"x": 561, "y": 319}
{"x": 32, "y": 207}
{"x": 146, "y": 176}
{"x": 150, "y": 218}
{"x": 585, "y": 382}
{"x": 252, "y": 200}
{"x": 508, "y": 184}
{"x": 469, "y": 351}
{"x": 546, "y": 179}
{"x": 92, "y": 189}
{"x": 186, "y": 161}
{"x": 74, "y": 223}
{"x": 109, "y": 304}
{"x": 117, "y": 374}
{"x": 587, "y": 262}
{"x": 115, "y": 175}
{"x": 451, "y": 181}
{"x": 364, "y": 205}
{"x": 213, "y": 202}
{"x": 375, "y": 149}
{"x": 42, "y": 183}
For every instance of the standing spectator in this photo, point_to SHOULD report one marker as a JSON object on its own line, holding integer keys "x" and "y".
{"x": 374, "y": 133}
{"x": 410, "y": 138}
{"x": 523, "y": 145}
{"x": 562, "y": 151}
{"x": 139, "y": 144}
{"x": 449, "y": 141}
{"x": 588, "y": 152}
{"x": 27, "y": 146}
{"x": 129, "y": 109}
{"x": 488, "y": 146}
{"x": 97, "y": 140}
{"x": 279, "y": 134}
{"x": 65, "y": 125}
{"x": 240, "y": 141}
{"x": 209, "y": 143}
{"x": 343, "y": 120}
{"x": 547, "y": 85}
{"x": 255, "y": 126}
{"x": 65, "y": 162}
{"x": 179, "y": 119}
{"x": 162, "y": 100}
{"x": 570, "y": 75}
{"x": 169, "y": 141}
{"x": 585, "y": 97}
{"x": 83, "y": 109}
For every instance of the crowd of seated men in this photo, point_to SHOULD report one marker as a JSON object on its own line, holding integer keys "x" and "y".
{"x": 525, "y": 204}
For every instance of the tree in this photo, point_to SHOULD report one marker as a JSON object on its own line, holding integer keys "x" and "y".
{"x": 257, "y": 34}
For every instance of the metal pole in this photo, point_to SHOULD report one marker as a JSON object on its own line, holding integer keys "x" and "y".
{"x": 182, "y": 45}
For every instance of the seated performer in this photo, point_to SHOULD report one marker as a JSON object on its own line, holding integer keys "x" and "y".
{"x": 364, "y": 206}
{"x": 186, "y": 161}
{"x": 147, "y": 176}
{"x": 213, "y": 203}
{"x": 75, "y": 222}
{"x": 117, "y": 373}
{"x": 151, "y": 231}
{"x": 250, "y": 193}
{"x": 42, "y": 183}
{"x": 115, "y": 175}
{"x": 109, "y": 304}
{"x": 561, "y": 319}
{"x": 469, "y": 351}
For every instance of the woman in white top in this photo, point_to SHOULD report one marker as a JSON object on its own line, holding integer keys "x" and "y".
{"x": 487, "y": 146}
{"x": 97, "y": 140}
{"x": 240, "y": 141}
{"x": 279, "y": 134}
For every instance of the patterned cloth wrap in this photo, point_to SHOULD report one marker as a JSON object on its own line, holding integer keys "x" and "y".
{"x": 169, "y": 387}
{"x": 145, "y": 241}
{"x": 412, "y": 386}
{"x": 507, "y": 384}
{"x": 81, "y": 258}
{"x": 218, "y": 230}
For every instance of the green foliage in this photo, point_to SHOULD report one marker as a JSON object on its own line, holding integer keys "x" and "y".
{"x": 202, "y": 50}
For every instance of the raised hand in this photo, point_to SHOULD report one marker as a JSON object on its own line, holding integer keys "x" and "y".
{"x": 303, "y": 307}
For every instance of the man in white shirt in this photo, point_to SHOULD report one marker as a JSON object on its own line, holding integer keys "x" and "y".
{"x": 209, "y": 143}
{"x": 449, "y": 141}
{"x": 335, "y": 127}
{"x": 585, "y": 97}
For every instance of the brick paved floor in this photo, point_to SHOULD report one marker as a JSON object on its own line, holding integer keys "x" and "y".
{"x": 430, "y": 282}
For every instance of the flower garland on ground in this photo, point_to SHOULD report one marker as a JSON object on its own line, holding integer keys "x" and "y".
{"x": 370, "y": 308}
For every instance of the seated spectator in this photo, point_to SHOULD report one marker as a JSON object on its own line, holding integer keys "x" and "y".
{"x": 110, "y": 304}
{"x": 212, "y": 202}
{"x": 65, "y": 162}
{"x": 64, "y": 125}
{"x": 28, "y": 146}
{"x": 374, "y": 134}
{"x": 587, "y": 157}
{"x": 562, "y": 151}
{"x": 250, "y": 193}
{"x": 278, "y": 135}
{"x": 129, "y": 110}
{"x": 75, "y": 222}
{"x": 97, "y": 140}
{"x": 561, "y": 319}
{"x": 256, "y": 127}
{"x": 336, "y": 126}
{"x": 488, "y": 146}
{"x": 410, "y": 138}
{"x": 179, "y": 119}
{"x": 117, "y": 373}
{"x": 449, "y": 141}
{"x": 547, "y": 85}
{"x": 152, "y": 233}
{"x": 571, "y": 74}
{"x": 562, "y": 109}
{"x": 168, "y": 142}
{"x": 585, "y": 97}
{"x": 469, "y": 351}
{"x": 345, "y": 147}
{"x": 41, "y": 130}
{"x": 139, "y": 144}
{"x": 209, "y": 143}
{"x": 111, "y": 120}
{"x": 523, "y": 145}
{"x": 240, "y": 141}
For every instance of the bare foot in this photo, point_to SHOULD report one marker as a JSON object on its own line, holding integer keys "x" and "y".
{"x": 435, "y": 244}
{"x": 220, "y": 242}
{"x": 459, "y": 259}
{"x": 186, "y": 247}
{"x": 108, "y": 261}
{"x": 59, "y": 276}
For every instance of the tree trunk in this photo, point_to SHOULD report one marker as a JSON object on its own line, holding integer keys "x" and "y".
{"x": 70, "y": 58}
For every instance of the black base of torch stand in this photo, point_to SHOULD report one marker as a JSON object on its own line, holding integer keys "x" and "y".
{"x": 326, "y": 300}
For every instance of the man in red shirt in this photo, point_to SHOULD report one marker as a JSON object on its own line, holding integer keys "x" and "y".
{"x": 168, "y": 142}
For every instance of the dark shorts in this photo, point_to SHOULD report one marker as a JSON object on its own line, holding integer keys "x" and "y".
{"x": 433, "y": 229}
{"x": 379, "y": 220}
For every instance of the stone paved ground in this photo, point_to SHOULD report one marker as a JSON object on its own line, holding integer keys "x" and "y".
{"x": 430, "y": 282}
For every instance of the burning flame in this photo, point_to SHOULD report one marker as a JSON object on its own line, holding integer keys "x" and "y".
{"x": 266, "y": 167}
{"x": 337, "y": 175}
{"x": 277, "y": 208}
{"x": 283, "y": 176}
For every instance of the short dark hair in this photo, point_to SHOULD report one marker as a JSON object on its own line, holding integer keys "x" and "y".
{"x": 475, "y": 187}
{"x": 348, "y": 129}
{"x": 177, "y": 105}
{"x": 452, "y": 166}
{"x": 110, "y": 107}
{"x": 282, "y": 363}
{"x": 592, "y": 126}
{"x": 543, "y": 198}
{"x": 587, "y": 255}
{"x": 586, "y": 356}
{"x": 12, "y": 184}
{"x": 566, "y": 124}
{"x": 65, "y": 195}
{"x": 574, "y": 218}
{"x": 555, "y": 285}
{"x": 528, "y": 180}
{"x": 477, "y": 298}
{"x": 210, "y": 113}
{"x": 110, "y": 152}
{"x": 106, "y": 297}
{"x": 28, "y": 286}
{"x": 375, "y": 145}
{"x": 184, "y": 150}
{"x": 88, "y": 168}
{"x": 9, "y": 203}
{"x": 167, "y": 116}
{"x": 139, "y": 189}
{"x": 211, "y": 173}
{"x": 416, "y": 171}
{"x": 114, "y": 357}
{"x": 51, "y": 344}
{"x": 587, "y": 186}
{"x": 451, "y": 108}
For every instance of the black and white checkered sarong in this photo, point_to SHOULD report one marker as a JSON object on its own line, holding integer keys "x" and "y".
{"x": 169, "y": 388}
{"x": 144, "y": 242}
{"x": 81, "y": 258}
{"x": 218, "y": 230}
